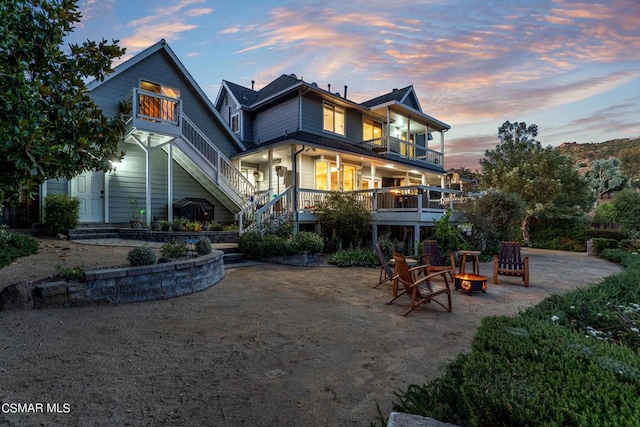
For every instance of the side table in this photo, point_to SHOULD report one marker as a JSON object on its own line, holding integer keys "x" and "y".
{"x": 474, "y": 258}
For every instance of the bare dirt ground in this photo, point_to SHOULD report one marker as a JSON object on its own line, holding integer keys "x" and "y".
{"x": 268, "y": 345}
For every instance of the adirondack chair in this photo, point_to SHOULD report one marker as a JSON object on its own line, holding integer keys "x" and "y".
{"x": 420, "y": 289}
{"x": 511, "y": 263}
{"x": 433, "y": 261}
{"x": 386, "y": 273}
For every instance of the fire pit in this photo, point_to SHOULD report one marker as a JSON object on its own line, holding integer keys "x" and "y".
{"x": 471, "y": 282}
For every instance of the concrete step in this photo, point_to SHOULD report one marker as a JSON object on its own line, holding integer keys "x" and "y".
{"x": 233, "y": 258}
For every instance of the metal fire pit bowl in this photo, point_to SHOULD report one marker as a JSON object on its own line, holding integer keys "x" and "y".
{"x": 471, "y": 282}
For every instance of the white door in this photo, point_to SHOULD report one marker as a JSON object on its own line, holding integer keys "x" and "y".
{"x": 89, "y": 188}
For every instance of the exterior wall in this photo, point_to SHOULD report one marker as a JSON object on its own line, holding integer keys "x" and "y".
{"x": 128, "y": 181}
{"x": 307, "y": 172}
{"x": 276, "y": 121}
{"x": 312, "y": 120}
{"x": 57, "y": 186}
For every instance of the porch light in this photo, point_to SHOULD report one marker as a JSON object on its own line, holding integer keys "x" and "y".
{"x": 389, "y": 166}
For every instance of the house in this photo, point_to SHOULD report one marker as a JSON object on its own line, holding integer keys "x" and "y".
{"x": 260, "y": 155}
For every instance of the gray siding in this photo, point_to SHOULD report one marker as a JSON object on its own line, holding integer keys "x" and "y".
{"x": 129, "y": 182}
{"x": 276, "y": 121}
{"x": 159, "y": 68}
{"x": 57, "y": 186}
{"x": 312, "y": 118}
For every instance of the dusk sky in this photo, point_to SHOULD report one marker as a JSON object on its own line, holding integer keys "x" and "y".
{"x": 571, "y": 67}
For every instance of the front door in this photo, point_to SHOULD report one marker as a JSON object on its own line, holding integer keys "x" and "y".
{"x": 89, "y": 188}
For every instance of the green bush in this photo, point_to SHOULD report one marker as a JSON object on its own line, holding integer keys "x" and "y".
{"x": 626, "y": 206}
{"x": 15, "y": 245}
{"x": 213, "y": 226}
{"x": 308, "y": 241}
{"x": 174, "y": 249}
{"x": 203, "y": 246}
{"x": 567, "y": 234}
{"x": 599, "y": 244}
{"x": 354, "y": 258}
{"x": 249, "y": 244}
{"x": 69, "y": 273}
{"x": 593, "y": 233}
{"x": 142, "y": 255}
{"x": 61, "y": 213}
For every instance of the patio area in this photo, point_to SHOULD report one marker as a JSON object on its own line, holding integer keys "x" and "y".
{"x": 268, "y": 345}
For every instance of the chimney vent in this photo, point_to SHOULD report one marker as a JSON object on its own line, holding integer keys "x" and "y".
{"x": 253, "y": 82}
{"x": 345, "y": 91}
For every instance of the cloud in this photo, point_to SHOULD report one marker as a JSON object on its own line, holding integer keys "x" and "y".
{"x": 167, "y": 22}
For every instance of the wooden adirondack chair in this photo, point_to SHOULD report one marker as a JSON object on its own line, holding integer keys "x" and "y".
{"x": 386, "y": 273}
{"x": 419, "y": 289}
{"x": 511, "y": 263}
{"x": 433, "y": 261}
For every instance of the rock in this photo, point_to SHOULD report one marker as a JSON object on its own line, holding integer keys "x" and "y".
{"x": 16, "y": 297}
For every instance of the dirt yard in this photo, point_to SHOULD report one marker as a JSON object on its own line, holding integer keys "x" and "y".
{"x": 268, "y": 345}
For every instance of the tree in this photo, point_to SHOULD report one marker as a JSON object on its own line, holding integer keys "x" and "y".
{"x": 629, "y": 161}
{"x": 544, "y": 179}
{"x": 344, "y": 220}
{"x": 605, "y": 176}
{"x": 494, "y": 217}
{"x": 626, "y": 207}
{"x": 49, "y": 127}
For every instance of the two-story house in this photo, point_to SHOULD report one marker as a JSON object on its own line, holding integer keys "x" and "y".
{"x": 262, "y": 154}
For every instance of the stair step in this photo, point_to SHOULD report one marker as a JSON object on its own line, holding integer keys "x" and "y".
{"x": 233, "y": 258}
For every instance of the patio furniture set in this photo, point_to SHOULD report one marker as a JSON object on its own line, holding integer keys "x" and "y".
{"x": 416, "y": 278}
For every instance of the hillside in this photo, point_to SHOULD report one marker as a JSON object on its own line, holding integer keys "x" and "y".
{"x": 584, "y": 154}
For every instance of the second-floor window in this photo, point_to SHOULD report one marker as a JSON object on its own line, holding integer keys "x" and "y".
{"x": 333, "y": 119}
{"x": 235, "y": 123}
{"x": 163, "y": 107}
{"x": 371, "y": 130}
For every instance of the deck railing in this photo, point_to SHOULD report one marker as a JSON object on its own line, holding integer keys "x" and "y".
{"x": 417, "y": 198}
{"x": 405, "y": 149}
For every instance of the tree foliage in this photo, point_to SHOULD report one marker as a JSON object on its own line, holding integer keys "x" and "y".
{"x": 605, "y": 176}
{"x": 629, "y": 161}
{"x": 494, "y": 217}
{"x": 344, "y": 220}
{"x": 626, "y": 207}
{"x": 544, "y": 179}
{"x": 49, "y": 126}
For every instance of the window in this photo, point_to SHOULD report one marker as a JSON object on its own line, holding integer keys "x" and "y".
{"x": 235, "y": 123}
{"x": 333, "y": 119}
{"x": 159, "y": 107}
{"x": 371, "y": 130}
{"x": 327, "y": 176}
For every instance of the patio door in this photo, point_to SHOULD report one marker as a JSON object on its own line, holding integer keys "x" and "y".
{"x": 89, "y": 188}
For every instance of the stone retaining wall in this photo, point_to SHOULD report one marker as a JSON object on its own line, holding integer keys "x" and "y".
{"x": 133, "y": 284}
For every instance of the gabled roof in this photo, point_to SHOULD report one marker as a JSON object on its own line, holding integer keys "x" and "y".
{"x": 163, "y": 46}
{"x": 398, "y": 95}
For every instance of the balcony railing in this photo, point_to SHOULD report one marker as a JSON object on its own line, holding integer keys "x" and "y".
{"x": 418, "y": 198}
{"x": 404, "y": 149}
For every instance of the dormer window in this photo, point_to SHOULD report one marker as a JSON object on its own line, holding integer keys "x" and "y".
{"x": 333, "y": 120}
{"x": 235, "y": 123}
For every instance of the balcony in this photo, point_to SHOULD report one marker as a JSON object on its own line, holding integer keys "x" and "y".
{"x": 152, "y": 112}
{"x": 404, "y": 149}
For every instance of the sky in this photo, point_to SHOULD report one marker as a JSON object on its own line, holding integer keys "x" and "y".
{"x": 571, "y": 67}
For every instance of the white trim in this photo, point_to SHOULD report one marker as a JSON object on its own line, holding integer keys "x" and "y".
{"x": 344, "y": 119}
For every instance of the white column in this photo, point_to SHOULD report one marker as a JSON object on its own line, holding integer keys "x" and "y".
{"x": 372, "y": 181}
{"x": 270, "y": 173}
{"x": 388, "y": 130}
{"x": 170, "y": 183}
{"x": 338, "y": 165}
{"x": 148, "y": 183}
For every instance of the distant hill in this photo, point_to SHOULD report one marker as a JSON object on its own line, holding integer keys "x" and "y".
{"x": 584, "y": 154}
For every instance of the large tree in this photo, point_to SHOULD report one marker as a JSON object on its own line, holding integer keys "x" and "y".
{"x": 49, "y": 127}
{"x": 629, "y": 161}
{"x": 605, "y": 176}
{"x": 547, "y": 181}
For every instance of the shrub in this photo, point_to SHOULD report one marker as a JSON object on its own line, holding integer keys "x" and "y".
{"x": 203, "y": 246}
{"x": 344, "y": 219}
{"x": 308, "y": 241}
{"x": 626, "y": 206}
{"x": 354, "y": 258}
{"x": 69, "y": 273}
{"x": 213, "y": 226}
{"x": 559, "y": 233}
{"x": 389, "y": 245}
{"x": 249, "y": 244}
{"x": 15, "y": 245}
{"x": 142, "y": 255}
{"x": 61, "y": 213}
{"x": 592, "y": 233}
{"x": 174, "y": 249}
{"x": 600, "y": 244}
